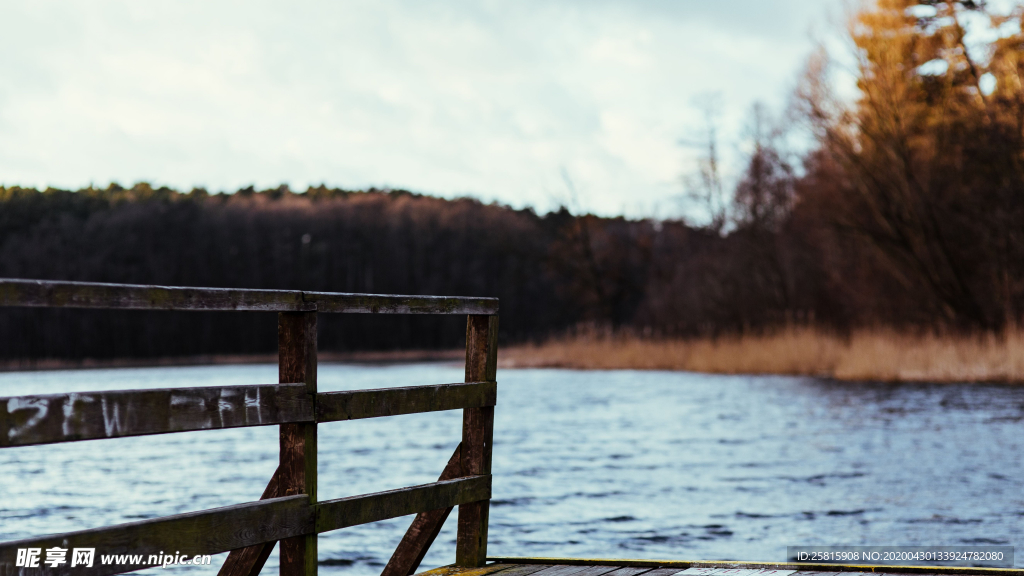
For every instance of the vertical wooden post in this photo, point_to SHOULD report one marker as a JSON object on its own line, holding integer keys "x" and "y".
{"x": 477, "y": 434}
{"x": 296, "y": 343}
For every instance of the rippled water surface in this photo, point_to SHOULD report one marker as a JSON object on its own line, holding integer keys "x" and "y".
{"x": 612, "y": 464}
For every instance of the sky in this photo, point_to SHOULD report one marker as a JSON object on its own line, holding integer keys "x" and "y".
{"x": 515, "y": 102}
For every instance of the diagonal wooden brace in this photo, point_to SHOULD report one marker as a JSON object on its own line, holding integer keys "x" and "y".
{"x": 424, "y": 529}
{"x": 250, "y": 560}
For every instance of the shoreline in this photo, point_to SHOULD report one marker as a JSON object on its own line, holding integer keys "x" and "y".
{"x": 867, "y": 355}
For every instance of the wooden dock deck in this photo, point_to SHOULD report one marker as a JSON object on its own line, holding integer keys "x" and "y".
{"x": 622, "y": 567}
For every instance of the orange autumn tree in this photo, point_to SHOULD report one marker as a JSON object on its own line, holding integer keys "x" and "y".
{"x": 923, "y": 174}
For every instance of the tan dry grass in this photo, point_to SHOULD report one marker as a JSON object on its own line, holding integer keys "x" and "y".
{"x": 866, "y": 355}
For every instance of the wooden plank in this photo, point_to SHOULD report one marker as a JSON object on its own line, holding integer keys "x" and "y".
{"x": 628, "y": 571}
{"x": 694, "y": 571}
{"x": 249, "y": 561}
{"x": 680, "y": 565}
{"x": 852, "y": 569}
{"x": 819, "y": 573}
{"x": 477, "y": 436}
{"x": 595, "y": 570}
{"x": 423, "y": 530}
{"x": 392, "y": 304}
{"x": 558, "y": 570}
{"x": 57, "y": 294}
{"x": 355, "y": 510}
{"x": 45, "y": 419}
{"x": 195, "y": 533}
{"x": 522, "y": 569}
{"x": 296, "y": 343}
{"x": 458, "y": 571}
{"x": 663, "y": 572}
{"x": 356, "y": 404}
{"x": 563, "y": 570}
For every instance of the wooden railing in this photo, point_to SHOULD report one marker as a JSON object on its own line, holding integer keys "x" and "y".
{"x": 288, "y": 511}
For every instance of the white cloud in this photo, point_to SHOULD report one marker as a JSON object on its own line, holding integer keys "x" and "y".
{"x": 484, "y": 98}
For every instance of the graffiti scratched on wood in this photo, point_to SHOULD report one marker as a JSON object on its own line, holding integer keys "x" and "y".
{"x": 26, "y": 420}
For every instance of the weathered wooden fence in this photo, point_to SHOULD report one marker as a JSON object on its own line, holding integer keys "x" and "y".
{"x": 288, "y": 511}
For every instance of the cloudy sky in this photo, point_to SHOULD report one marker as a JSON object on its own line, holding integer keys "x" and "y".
{"x": 502, "y": 101}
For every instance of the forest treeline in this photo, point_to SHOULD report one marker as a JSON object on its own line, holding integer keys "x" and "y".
{"x": 908, "y": 212}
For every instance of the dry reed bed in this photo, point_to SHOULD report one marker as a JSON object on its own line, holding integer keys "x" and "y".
{"x": 867, "y": 355}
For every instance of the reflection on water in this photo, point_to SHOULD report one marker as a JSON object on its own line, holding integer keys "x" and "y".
{"x": 610, "y": 464}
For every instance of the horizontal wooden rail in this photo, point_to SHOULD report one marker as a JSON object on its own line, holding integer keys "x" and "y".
{"x": 232, "y": 527}
{"x": 195, "y": 533}
{"x": 340, "y": 302}
{"x": 55, "y": 294}
{"x": 27, "y": 420}
{"x": 334, "y": 406}
{"x": 47, "y": 419}
{"x": 345, "y": 512}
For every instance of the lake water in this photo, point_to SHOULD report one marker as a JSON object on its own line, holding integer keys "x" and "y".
{"x": 609, "y": 464}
